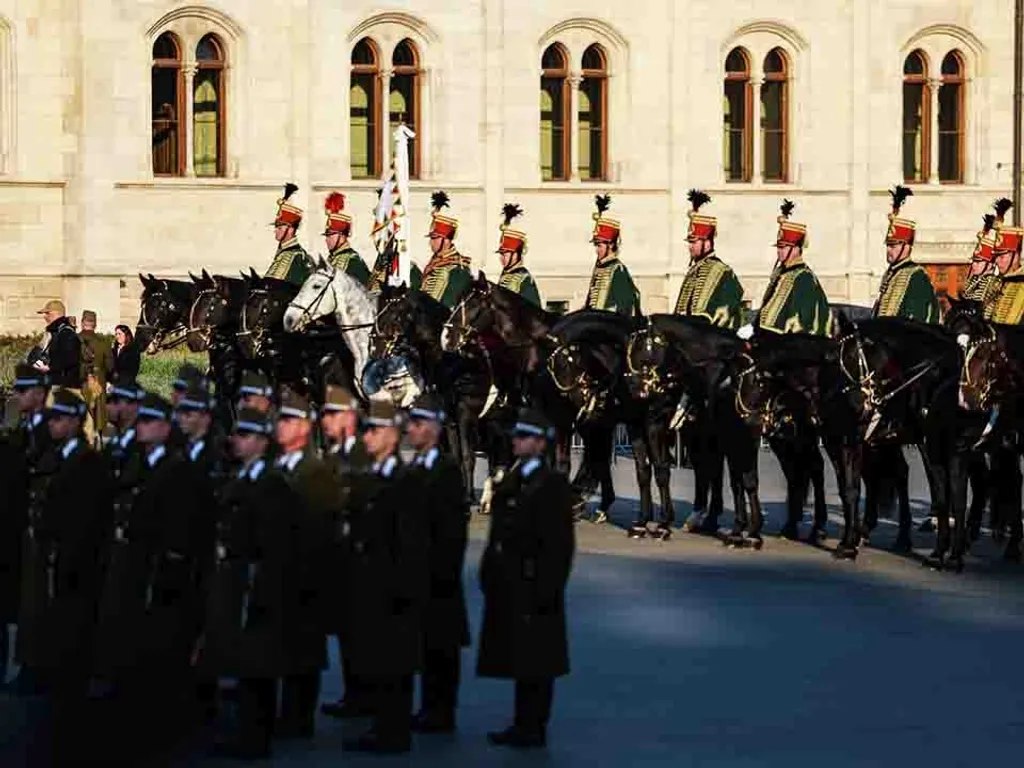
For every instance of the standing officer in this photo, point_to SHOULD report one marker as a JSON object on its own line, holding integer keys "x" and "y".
{"x": 120, "y": 448}
{"x": 97, "y": 365}
{"x": 710, "y": 288}
{"x": 21, "y": 450}
{"x": 150, "y": 609}
{"x": 441, "y": 495}
{"x": 347, "y": 458}
{"x": 256, "y": 392}
{"x": 310, "y": 498}
{"x": 387, "y": 582}
{"x": 611, "y": 286}
{"x": 794, "y": 301}
{"x": 514, "y": 274}
{"x": 251, "y": 595}
{"x": 341, "y": 255}
{"x": 446, "y": 276}
{"x": 291, "y": 262}
{"x": 68, "y": 510}
{"x": 523, "y": 575}
{"x": 906, "y": 290}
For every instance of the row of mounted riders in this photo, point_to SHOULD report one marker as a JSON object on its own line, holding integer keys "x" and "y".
{"x": 878, "y": 385}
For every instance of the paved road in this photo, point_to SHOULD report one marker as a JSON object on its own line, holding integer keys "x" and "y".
{"x": 688, "y": 653}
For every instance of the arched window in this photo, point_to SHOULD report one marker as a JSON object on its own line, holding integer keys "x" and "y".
{"x": 554, "y": 113}
{"x": 593, "y": 110}
{"x": 208, "y": 109}
{"x": 775, "y": 118}
{"x": 916, "y": 123}
{"x": 166, "y": 79}
{"x": 364, "y": 108}
{"x": 736, "y": 108}
{"x": 403, "y": 100}
{"x": 951, "y": 119}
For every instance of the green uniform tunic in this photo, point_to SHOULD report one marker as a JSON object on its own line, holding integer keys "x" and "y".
{"x": 794, "y": 302}
{"x": 612, "y": 289}
{"x": 1006, "y": 305}
{"x": 906, "y": 291}
{"x": 447, "y": 277}
{"x": 519, "y": 280}
{"x": 980, "y": 287}
{"x": 711, "y": 290}
{"x": 380, "y": 272}
{"x": 291, "y": 263}
{"x": 348, "y": 260}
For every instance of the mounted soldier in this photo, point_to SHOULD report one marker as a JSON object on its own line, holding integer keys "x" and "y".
{"x": 1007, "y": 302}
{"x": 794, "y": 301}
{"x": 981, "y": 276}
{"x": 446, "y": 276}
{"x": 710, "y": 288}
{"x": 291, "y": 262}
{"x": 514, "y": 274}
{"x": 341, "y": 255}
{"x": 906, "y": 290}
{"x": 611, "y": 286}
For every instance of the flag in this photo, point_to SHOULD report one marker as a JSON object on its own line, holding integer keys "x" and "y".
{"x": 391, "y": 219}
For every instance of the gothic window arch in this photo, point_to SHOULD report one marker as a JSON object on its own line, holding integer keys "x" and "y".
{"x": 775, "y": 117}
{"x": 192, "y": 50}
{"x": 737, "y": 112}
{"x": 916, "y": 125}
{"x": 952, "y": 89}
{"x": 554, "y": 114}
{"x": 364, "y": 111}
{"x": 593, "y": 107}
{"x": 404, "y": 97}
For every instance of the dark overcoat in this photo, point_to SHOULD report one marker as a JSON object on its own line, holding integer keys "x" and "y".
{"x": 523, "y": 575}
{"x": 251, "y": 592}
{"x": 150, "y": 609}
{"x": 442, "y": 502}
{"x": 387, "y": 576}
{"x": 68, "y": 510}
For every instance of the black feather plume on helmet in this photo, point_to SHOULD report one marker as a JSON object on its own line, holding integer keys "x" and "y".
{"x": 899, "y": 194}
{"x": 289, "y": 190}
{"x": 439, "y": 200}
{"x": 1002, "y": 205}
{"x": 511, "y": 211}
{"x": 603, "y": 202}
{"x": 698, "y": 198}
{"x": 786, "y": 209}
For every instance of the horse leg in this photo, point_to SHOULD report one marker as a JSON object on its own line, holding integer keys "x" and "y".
{"x": 816, "y": 467}
{"x": 700, "y": 462}
{"x": 796, "y": 486}
{"x": 958, "y": 503}
{"x": 602, "y": 467}
{"x": 938, "y": 463}
{"x": 657, "y": 448}
{"x": 641, "y": 460}
{"x": 1011, "y": 514}
{"x": 743, "y": 458}
{"x": 847, "y": 460}
{"x": 977, "y": 475}
{"x": 903, "y": 542}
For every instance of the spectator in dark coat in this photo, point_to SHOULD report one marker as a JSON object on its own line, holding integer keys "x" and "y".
{"x": 62, "y": 355}
{"x": 126, "y": 354}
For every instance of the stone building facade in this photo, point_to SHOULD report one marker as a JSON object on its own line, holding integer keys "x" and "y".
{"x": 156, "y": 135}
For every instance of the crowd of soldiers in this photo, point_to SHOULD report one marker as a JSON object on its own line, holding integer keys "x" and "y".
{"x": 186, "y": 553}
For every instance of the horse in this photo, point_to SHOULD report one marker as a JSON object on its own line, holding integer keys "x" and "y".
{"x": 907, "y": 374}
{"x": 329, "y": 294}
{"x": 409, "y": 325}
{"x": 304, "y": 362}
{"x": 163, "y": 313}
{"x": 213, "y": 328}
{"x": 675, "y": 357}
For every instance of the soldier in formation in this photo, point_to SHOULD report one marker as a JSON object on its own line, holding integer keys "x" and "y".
{"x": 906, "y": 290}
{"x": 514, "y": 274}
{"x": 291, "y": 262}
{"x": 611, "y": 286}
{"x": 446, "y": 276}
{"x": 341, "y": 255}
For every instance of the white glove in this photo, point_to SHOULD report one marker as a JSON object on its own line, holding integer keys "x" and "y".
{"x": 746, "y": 332}
{"x": 963, "y": 340}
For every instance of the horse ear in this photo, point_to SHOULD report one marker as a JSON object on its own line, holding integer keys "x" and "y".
{"x": 253, "y": 274}
{"x": 192, "y": 277}
{"x": 481, "y": 277}
{"x": 142, "y": 279}
{"x": 320, "y": 262}
{"x": 206, "y": 276}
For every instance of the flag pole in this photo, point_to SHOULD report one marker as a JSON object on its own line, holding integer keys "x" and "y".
{"x": 1018, "y": 108}
{"x": 400, "y": 212}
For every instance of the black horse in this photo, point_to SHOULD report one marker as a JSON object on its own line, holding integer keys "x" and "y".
{"x": 304, "y": 362}
{"x": 163, "y": 313}
{"x": 672, "y": 357}
{"x": 907, "y": 374}
{"x": 409, "y": 325}
{"x": 214, "y": 323}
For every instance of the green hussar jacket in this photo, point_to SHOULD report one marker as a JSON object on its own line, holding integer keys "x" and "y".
{"x": 291, "y": 263}
{"x": 612, "y": 289}
{"x": 711, "y": 290}
{"x": 347, "y": 260}
{"x": 906, "y": 291}
{"x": 795, "y": 303}
{"x": 380, "y": 271}
{"x": 519, "y": 280}
{"x": 447, "y": 277}
{"x": 980, "y": 288}
{"x": 1006, "y": 305}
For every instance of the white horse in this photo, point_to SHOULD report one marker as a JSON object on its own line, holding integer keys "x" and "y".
{"x": 330, "y": 292}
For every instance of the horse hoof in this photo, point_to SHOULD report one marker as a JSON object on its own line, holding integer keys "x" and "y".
{"x": 955, "y": 564}
{"x": 637, "y": 532}
{"x": 845, "y": 552}
{"x": 935, "y": 561}
{"x": 789, "y": 532}
{"x": 662, "y": 532}
{"x": 903, "y": 545}
{"x": 733, "y": 539}
{"x": 756, "y": 542}
{"x": 816, "y": 537}
{"x": 600, "y": 517}
{"x": 708, "y": 527}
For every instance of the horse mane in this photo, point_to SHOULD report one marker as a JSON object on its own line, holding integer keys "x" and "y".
{"x": 436, "y": 312}
{"x": 593, "y": 325}
{"x": 357, "y": 304}
{"x": 714, "y": 341}
{"x": 910, "y": 337}
{"x": 523, "y": 313}
{"x": 780, "y": 350}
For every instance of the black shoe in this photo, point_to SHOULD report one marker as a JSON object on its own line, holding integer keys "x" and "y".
{"x": 374, "y": 744}
{"x": 518, "y": 738}
{"x": 345, "y": 710}
{"x": 237, "y": 750}
{"x": 431, "y": 722}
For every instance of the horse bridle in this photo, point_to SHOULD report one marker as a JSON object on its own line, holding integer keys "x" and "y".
{"x": 205, "y": 331}
{"x": 966, "y": 380}
{"x": 163, "y": 339}
{"x": 307, "y": 312}
{"x": 650, "y": 380}
{"x": 258, "y": 335}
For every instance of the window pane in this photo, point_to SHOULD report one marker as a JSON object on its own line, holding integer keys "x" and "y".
{"x": 951, "y": 64}
{"x": 208, "y": 50}
{"x": 913, "y": 132}
{"x": 165, "y": 47}
{"x": 949, "y": 132}
{"x": 402, "y": 109}
{"x": 362, "y": 125}
{"x": 914, "y": 65}
{"x": 165, "y": 120}
{"x": 553, "y": 58}
{"x": 206, "y": 123}
{"x": 736, "y": 61}
{"x": 772, "y": 128}
{"x": 734, "y": 142}
{"x": 363, "y": 54}
{"x": 552, "y": 129}
{"x": 593, "y": 58}
{"x": 404, "y": 55}
{"x": 591, "y": 129}
{"x": 774, "y": 62}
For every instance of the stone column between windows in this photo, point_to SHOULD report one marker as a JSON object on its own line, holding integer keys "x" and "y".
{"x": 757, "y": 80}
{"x": 189, "y": 71}
{"x": 933, "y": 121}
{"x": 575, "y": 81}
{"x": 385, "y": 117}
